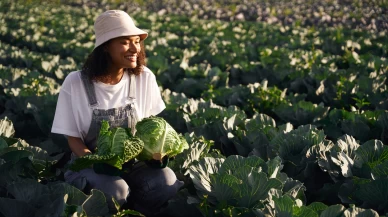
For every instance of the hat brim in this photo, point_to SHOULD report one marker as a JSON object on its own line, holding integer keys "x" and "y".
{"x": 119, "y": 33}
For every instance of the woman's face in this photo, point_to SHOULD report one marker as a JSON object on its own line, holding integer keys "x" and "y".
{"x": 124, "y": 51}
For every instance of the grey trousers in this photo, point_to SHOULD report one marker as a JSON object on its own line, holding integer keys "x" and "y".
{"x": 147, "y": 188}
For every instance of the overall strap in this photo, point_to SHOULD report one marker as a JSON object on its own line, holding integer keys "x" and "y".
{"x": 132, "y": 88}
{"x": 90, "y": 92}
{"x": 132, "y": 116}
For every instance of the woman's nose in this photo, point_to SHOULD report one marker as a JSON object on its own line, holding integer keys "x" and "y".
{"x": 133, "y": 48}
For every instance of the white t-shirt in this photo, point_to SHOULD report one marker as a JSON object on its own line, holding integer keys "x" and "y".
{"x": 73, "y": 114}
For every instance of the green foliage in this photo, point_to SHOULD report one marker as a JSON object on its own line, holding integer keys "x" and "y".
{"x": 234, "y": 87}
{"x": 239, "y": 184}
{"x": 66, "y": 200}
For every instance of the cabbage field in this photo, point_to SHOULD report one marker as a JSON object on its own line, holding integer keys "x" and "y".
{"x": 283, "y": 104}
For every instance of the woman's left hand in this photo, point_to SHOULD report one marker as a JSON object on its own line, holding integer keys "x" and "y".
{"x": 158, "y": 163}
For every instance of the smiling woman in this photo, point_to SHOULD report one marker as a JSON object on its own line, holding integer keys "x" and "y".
{"x": 114, "y": 85}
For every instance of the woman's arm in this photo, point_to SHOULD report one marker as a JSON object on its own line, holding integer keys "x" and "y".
{"x": 77, "y": 146}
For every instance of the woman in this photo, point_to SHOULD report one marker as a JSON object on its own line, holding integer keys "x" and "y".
{"x": 114, "y": 85}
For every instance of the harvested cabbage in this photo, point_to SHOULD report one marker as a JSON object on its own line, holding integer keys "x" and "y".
{"x": 114, "y": 147}
{"x": 159, "y": 138}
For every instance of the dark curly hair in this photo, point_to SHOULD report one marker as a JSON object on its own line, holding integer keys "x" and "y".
{"x": 96, "y": 64}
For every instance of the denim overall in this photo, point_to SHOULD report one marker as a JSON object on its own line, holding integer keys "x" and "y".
{"x": 148, "y": 188}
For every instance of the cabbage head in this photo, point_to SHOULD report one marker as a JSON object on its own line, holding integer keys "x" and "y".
{"x": 159, "y": 138}
{"x": 115, "y": 147}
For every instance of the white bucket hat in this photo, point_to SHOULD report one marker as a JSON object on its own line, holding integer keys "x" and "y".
{"x": 113, "y": 24}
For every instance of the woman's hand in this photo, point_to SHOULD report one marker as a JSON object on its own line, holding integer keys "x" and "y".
{"x": 158, "y": 163}
{"x": 77, "y": 146}
{"x": 80, "y": 149}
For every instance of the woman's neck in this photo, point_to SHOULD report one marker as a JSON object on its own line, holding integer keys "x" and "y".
{"x": 114, "y": 76}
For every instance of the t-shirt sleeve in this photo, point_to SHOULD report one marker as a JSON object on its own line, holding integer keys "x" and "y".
{"x": 64, "y": 120}
{"x": 157, "y": 103}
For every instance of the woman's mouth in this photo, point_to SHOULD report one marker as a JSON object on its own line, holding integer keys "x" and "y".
{"x": 131, "y": 57}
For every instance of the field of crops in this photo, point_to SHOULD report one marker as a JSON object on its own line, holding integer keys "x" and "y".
{"x": 283, "y": 104}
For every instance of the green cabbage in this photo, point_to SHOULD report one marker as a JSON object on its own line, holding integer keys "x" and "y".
{"x": 114, "y": 147}
{"x": 159, "y": 138}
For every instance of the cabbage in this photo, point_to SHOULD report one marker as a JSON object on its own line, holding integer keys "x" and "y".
{"x": 159, "y": 138}
{"x": 114, "y": 147}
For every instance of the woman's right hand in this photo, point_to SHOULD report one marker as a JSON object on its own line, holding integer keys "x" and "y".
{"x": 77, "y": 146}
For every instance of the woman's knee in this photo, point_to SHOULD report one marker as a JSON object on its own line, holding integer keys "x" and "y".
{"x": 168, "y": 179}
{"x": 112, "y": 186}
{"x": 117, "y": 188}
{"x": 153, "y": 187}
{"x": 161, "y": 185}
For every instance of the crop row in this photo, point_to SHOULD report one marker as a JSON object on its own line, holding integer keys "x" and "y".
{"x": 351, "y": 14}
